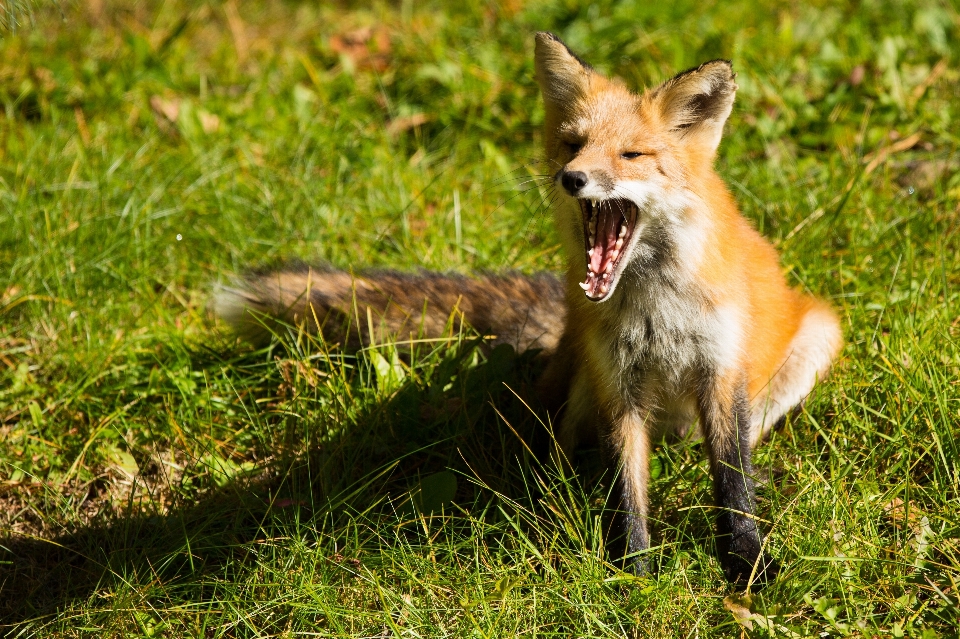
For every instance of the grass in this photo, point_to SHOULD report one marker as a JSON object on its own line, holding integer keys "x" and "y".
{"x": 161, "y": 479}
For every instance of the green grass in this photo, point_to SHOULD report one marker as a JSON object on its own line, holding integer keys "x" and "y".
{"x": 160, "y": 479}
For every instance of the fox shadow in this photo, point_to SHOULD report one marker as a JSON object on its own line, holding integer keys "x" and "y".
{"x": 401, "y": 453}
{"x": 475, "y": 419}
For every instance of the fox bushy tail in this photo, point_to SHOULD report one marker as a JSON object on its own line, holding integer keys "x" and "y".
{"x": 526, "y": 312}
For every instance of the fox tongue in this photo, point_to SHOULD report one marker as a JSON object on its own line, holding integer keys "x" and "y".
{"x": 604, "y": 249}
{"x": 605, "y": 239}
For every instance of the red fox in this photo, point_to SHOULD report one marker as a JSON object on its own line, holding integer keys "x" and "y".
{"x": 673, "y": 315}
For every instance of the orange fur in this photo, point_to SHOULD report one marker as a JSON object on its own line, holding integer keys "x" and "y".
{"x": 736, "y": 267}
{"x": 678, "y": 313}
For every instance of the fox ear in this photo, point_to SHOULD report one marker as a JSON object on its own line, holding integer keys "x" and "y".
{"x": 562, "y": 76}
{"x": 696, "y": 103}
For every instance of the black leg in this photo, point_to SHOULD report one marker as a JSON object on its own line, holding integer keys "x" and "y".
{"x": 726, "y": 418}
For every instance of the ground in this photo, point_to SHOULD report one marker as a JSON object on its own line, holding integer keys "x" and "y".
{"x": 160, "y": 478}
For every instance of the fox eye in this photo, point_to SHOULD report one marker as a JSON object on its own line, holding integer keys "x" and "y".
{"x": 574, "y": 147}
{"x": 631, "y": 155}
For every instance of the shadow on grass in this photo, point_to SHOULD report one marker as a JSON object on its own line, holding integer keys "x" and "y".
{"x": 395, "y": 455}
{"x": 395, "y": 458}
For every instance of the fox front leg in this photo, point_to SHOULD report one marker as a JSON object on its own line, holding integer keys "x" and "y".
{"x": 631, "y": 440}
{"x": 725, "y": 418}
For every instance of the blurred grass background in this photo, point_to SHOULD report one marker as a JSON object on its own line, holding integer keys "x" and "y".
{"x": 160, "y": 479}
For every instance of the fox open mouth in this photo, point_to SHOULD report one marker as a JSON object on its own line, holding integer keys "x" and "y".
{"x": 607, "y": 228}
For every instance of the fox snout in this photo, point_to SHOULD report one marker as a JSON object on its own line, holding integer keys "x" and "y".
{"x": 596, "y": 184}
{"x": 573, "y": 181}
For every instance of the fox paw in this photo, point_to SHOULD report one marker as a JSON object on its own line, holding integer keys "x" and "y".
{"x": 738, "y": 568}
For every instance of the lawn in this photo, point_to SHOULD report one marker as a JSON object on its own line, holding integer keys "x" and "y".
{"x": 160, "y": 478}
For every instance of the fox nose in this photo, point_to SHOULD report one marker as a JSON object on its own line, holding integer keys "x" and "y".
{"x": 573, "y": 181}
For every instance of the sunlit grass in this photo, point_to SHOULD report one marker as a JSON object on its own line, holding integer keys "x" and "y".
{"x": 161, "y": 479}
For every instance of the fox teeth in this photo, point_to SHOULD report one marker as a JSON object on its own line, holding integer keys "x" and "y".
{"x": 623, "y": 232}
{"x": 603, "y": 289}
{"x": 584, "y": 286}
{"x": 591, "y": 252}
{"x": 619, "y": 244}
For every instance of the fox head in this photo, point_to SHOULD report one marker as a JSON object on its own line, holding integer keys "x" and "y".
{"x": 621, "y": 159}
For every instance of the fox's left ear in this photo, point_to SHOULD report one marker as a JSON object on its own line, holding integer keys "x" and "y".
{"x": 563, "y": 77}
{"x": 696, "y": 103}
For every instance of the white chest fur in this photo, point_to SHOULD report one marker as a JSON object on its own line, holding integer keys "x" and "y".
{"x": 655, "y": 337}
